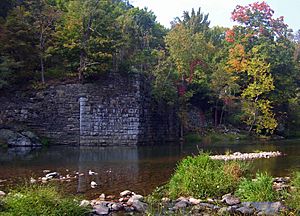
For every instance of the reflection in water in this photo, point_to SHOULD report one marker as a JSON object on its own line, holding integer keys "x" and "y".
{"x": 138, "y": 169}
{"x": 97, "y": 159}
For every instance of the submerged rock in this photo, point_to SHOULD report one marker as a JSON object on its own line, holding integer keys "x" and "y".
{"x": 93, "y": 184}
{"x": 52, "y": 175}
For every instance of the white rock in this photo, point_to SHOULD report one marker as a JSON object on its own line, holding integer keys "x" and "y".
{"x": 165, "y": 199}
{"x": 32, "y": 180}
{"x": 125, "y": 193}
{"x": 133, "y": 198}
{"x": 194, "y": 201}
{"x": 44, "y": 179}
{"x": 93, "y": 184}
{"x": 102, "y": 197}
{"x": 84, "y": 203}
{"x": 52, "y": 175}
{"x": 2, "y": 193}
{"x": 92, "y": 172}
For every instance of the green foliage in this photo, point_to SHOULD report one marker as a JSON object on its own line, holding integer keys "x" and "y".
{"x": 293, "y": 200}
{"x": 192, "y": 138}
{"x": 40, "y": 200}
{"x": 197, "y": 22}
{"x": 215, "y": 136}
{"x": 45, "y": 141}
{"x": 3, "y": 144}
{"x": 202, "y": 177}
{"x": 257, "y": 190}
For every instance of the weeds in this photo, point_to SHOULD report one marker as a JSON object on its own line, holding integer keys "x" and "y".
{"x": 257, "y": 190}
{"x": 39, "y": 201}
{"x": 202, "y": 177}
{"x": 293, "y": 200}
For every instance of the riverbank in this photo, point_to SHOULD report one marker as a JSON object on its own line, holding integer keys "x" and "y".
{"x": 199, "y": 186}
{"x": 138, "y": 169}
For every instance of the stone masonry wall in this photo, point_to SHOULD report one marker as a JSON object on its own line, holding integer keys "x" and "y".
{"x": 117, "y": 110}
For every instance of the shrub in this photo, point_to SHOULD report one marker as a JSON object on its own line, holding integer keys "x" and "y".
{"x": 259, "y": 189}
{"x": 40, "y": 201}
{"x": 193, "y": 138}
{"x": 293, "y": 201}
{"x": 200, "y": 177}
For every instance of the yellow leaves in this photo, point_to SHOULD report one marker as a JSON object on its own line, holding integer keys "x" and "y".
{"x": 257, "y": 110}
{"x": 185, "y": 46}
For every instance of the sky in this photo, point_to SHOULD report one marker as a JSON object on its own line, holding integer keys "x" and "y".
{"x": 219, "y": 10}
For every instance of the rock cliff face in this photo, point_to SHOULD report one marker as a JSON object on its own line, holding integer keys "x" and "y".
{"x": 117, "y": 110}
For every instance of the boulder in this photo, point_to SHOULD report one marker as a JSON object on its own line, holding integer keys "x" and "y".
{"x": 265, "y": 208}
{"x": 102, "y": 197}
{"x": 181, "y": 204}
{"x": 230, "y": 199}
{"x": 103, "y": 208}
{"x": 13, "y": 138}
{"x": 116, "y": 207}
{"x": 194, "y": 201}
{"x": 245, "y": 210}
{"x": 139, "y": 206}
{"x": 133, "y": 198}
{"x": 126, "y": 193}
{"x": 209, "y": 206}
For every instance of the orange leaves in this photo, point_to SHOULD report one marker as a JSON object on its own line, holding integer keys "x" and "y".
{"x": 237, "y": 58}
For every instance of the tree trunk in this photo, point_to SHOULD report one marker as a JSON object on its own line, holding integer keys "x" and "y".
{"x": 42, "y": 69}
{"x": 216, "y": 114}
{"x": 42, "y": 52}
{"x": 85, "y": 38}
{"x": 222, "y": 114}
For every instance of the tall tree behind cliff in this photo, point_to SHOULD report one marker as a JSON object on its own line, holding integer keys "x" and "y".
{"x": 88, "y": 36}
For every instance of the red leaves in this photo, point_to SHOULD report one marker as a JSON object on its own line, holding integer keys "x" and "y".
{"x": 242, "y": 14}
{"x": 229, "y": 37}
{"x": 181, "y": 90}
{"x": 258, "y": 17}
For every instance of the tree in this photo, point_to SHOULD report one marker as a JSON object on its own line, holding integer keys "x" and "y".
{"x": 19, "y": 41}
{"x": 142, "y": 39}
{"x": 196, "y": 22}
{"x": 263, "y": 40}
{"x": 44, "y": 17}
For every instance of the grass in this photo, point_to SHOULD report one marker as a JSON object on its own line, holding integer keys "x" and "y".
{"x": 258, "y": 190}
{"x": 293, "y": 200}
{"x": 202, "y": 177}
{"x": 39, "y": 201}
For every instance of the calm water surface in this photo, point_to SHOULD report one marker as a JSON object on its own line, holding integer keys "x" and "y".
{"x": 138, "y": 169}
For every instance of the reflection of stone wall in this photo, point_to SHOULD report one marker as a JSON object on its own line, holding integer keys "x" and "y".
{"x": 117, "y": 110}
{"x": 113, "y": 165}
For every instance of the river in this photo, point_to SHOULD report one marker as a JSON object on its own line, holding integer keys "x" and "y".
{"x": 139, "y": 169}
